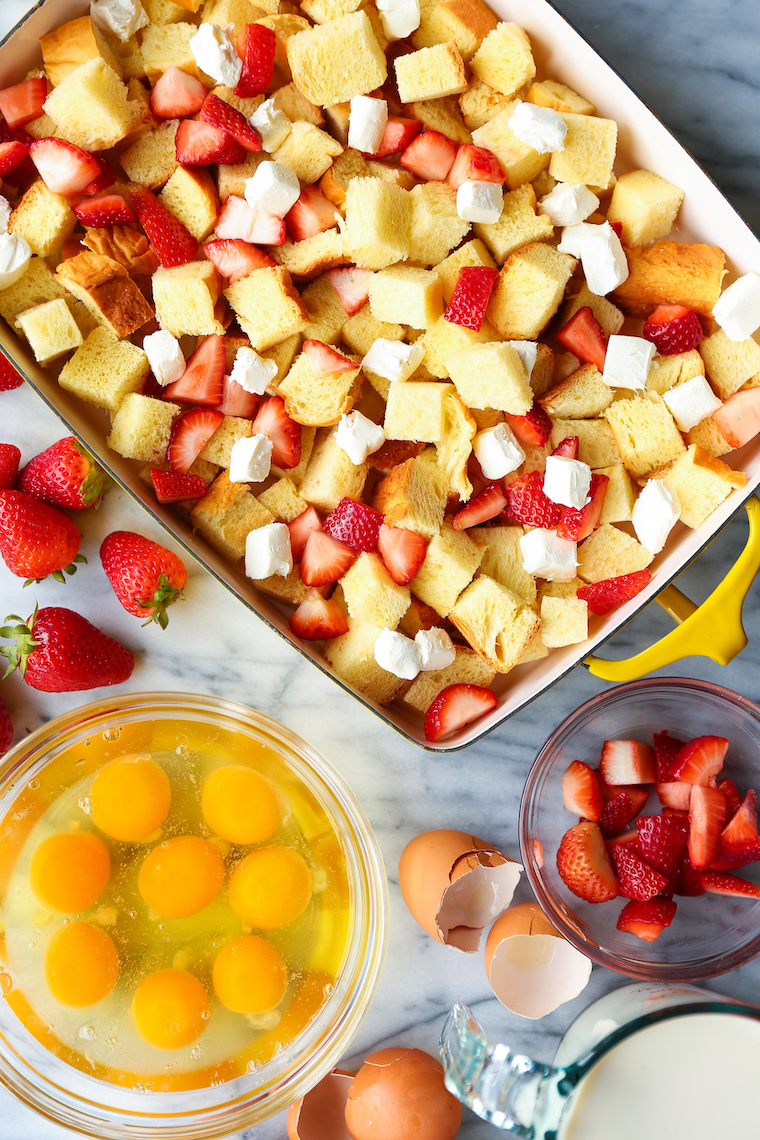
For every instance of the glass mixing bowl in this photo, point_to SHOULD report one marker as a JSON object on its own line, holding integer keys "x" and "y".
{"x": 70, "y": 1097}
{"x": 710, "y": 934}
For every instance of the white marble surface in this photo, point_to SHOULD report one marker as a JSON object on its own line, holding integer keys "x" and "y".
{"x": 696, "y": 66}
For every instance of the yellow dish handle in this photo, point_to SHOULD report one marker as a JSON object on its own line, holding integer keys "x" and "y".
{"x": 713, "y": 629}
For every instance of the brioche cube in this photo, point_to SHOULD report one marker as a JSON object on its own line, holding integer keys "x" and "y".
{"x": 333, "y": 62}
{"x": 480, "y": 103}
{"x": 564, "y": 621}
{"x": 596, "y": 442}
{"x": 443, "y": 115}
{"x": 285, "y": 25}
{"x": 403, "y": 294}
{"x": 413, "y": 495}
{"x": 283, "y": 355}
{"x": 267, "y": 306}
{"x": 325, "y": 310}
{"x": 296, "y": 474}
{"x": 701, "y": 482}
{"x": 308, "y": 151}
{"x": 415, "y": 410}
{"x": 450, "y": 564}
{"x": 535, "y": 651}
{"x": 610, "y": 553}
{"x": 430, "y": 73}
{"x": 467, "y": 22}
{"x": 164, "y": 11}
{"x": 190, "y": 194}
{"x": 185, "y": 297}
{"x": 168, "y": 45}
{"x": 431, "y": 30}
{"x": 289, "y": 589}
{"x": 72, "y": 44}
{"x": 352, "y": 656}
{"x": 330, "y": 475}
{"x": 436, "y": 227}
{"x": 455, "y": 449}
{"x": 646, "y": 206}
{"x": 505, "y": 59}
{"x": 668, "y": 372}
{"x": 559, "y": 97}
{"x": 226, "y": 515}
{"x": 467, "y": 668}
{"x": 528, "y": 291}
{"x": 645, "y": 433}
{"x": 236, "y": 12}
{"x": 518, "y": 225}
{"x": 669, "y": 273}
{"x": 347, "y": 165}
{"x": 105, "y": 370}
{"x": 35, "y": 287}
{"x": 218, "y": 449}
{"x": 707, "y": 435}
{"x": 372, "y": 595}
{"x": 588, "y": 153}
{"x": 521, "y": 163}
{"x": 125, "y": 245}
{"x": 310, "y": 257}
{"x": 502, "y": 559}
{"x": 152, "y": 159}
{"x": 378, "y": 222}
{"x": 107, "y": 291}
{"x": 90, "y": 107}
{"x": 141, "y": 427}
{"x": 619, "y": 497}
{"x": 561, "y": 589}
{"x": 583, "y": 395}
{"x": 492, "y": 376}
{"x": 50, "y": 329}
{"x": 729, "y": 363}
{"x": 472, "y": 253}
{"x": 318, "y": 400}
{"x": 283, "y": 500}
{"x": 43, "y": 219}
{"x": 542, "y": 373}
{"x": 320, "y": 11}
{"x": 608, "y": 315}
{"x": 443, "y": 339}
{"x": 496, "y": 622}
{"x": 232, "y": 179}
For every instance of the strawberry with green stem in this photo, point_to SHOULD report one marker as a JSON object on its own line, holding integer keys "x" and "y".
{"x": 146, "y": 577}
{"x": 58, "y": 651}
{"x": 37, "y": 540}
{"x": 65, "y": 475}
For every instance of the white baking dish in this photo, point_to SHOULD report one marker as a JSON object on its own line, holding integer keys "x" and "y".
{"x": 561, "y": 53}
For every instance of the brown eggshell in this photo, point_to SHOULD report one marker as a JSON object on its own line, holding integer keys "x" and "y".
{"x": 442, "y": 875}
{"x": 399, "y": 1094}
{"x": 321, "y": 1113}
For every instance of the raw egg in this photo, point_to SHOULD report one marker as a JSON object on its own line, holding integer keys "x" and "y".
{"x": 321, "y": 1113}
{"x": 130, "y": 798}
{"x": 271, "y": 887}
{"x": 81, "y": 964}
{"x": 69, "y": 871}
{"x": 170, "y": 1009}
{"x": 240, "y": 805}
{"x": 250, "y": 975}
{"x": 181, "y": 876}
{"x": 399, "y": 1094}
{"x": 455, "y": 884}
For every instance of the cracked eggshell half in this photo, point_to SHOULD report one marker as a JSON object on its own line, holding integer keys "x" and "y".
{"x": 321, "y": 1113}
{"x": 455, "y": 885}
{"x": 531, "y": 967}
{"x": 399, "y": 1094}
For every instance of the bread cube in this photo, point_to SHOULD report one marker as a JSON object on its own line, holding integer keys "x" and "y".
{"x": 528, "y": 291}
{"x": 435, "y": 225}
{"x": 415, "y": 410}
{"x": 729, "y": 363}
{"x": 467, "y": 22}
{"x": 347, "y": 165}
{"x": 430, "y": 73}
{"x": 480, "y": 103}
{"x": 502, "y": 559}
{"x": 352, "y": 656}
{"x": 707, "y": 435}
{"x": 583, "y": 395}
{"x": 378, "y": 222}
{"x": 185, "y": 297}
{"x": 72, "y": 44}
{"x": 609, "y": 553}
{"x": 542, "y": 374}
{"x": 330, "y": 475}
{"x": 107, "y": 291}
{"x": 467, "y": 668}
{"x": 564, "y": 621}
{"x": 518, "y": 225}
{"x": 50, "y": 329}
{"x": 645, "y": 432}
{"x": 403, "y": 294}
{"x": 312, "y": 256}
{"x": 608, "y": 315}
{"x": 619, "y": 498}
{"x": 588, "y": 153}
{"x": 561, "y": 589}
{"x": 559, "y": 97}
{"x": 43, "y": 219}
{"x": 164, "y": 11}
{"x": 521, "y": 163}
{"x": 646, "y": 205}
{"x": 674, "y": 274}
{"x": 492, "y": 376}
{"x": 318, "y": 400}
{"x": 126, "y": 245}
{"x": 701, "y": 482}
{"x": 308, "y": 151}
{"x": 142, "y": 426}
{"x": 190, "y": 194}
{"x": 285, "y": 25}
{"x": 283, "y": 500}
{"x": 667, "y": 372}
{"x": 413, "y": 495}
{"x": 443, "y": 339}
{"x": 325, "y": 310}
{"x": 535, "y": 651}
{"x": 267, "y": 306}
{"x": 90, "y": 107}
{"x": 296, "y": 474}
{"x": 333, "y": 62}
{"x": 35, "y": 287}
{"x": 289, "y": 589}
{"x": 226, "y": 515}
{"x": 152, "y": 159}
{"x": 504, "y": 60}
{"x": 218, "y": 449}
{"x": 472, "y": 253}
{"x": 450, "y": 564}
{"x": 443, "y": 115}
{"x": 455, "y": 449}
{"x": 596, "y": 443}
{"x": 168, "y": 45}
{"x": 232, "y": 179}
{"x": 235, "y": 12}
{"x": 372, "y": 595}
{"x": 497, "y": 623}
{"x": 105, "y": 370}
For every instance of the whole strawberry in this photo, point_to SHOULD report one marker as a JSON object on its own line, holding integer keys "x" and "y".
{"x": 10, "y": 457}
{"x": 64, "y": 475}
{"x": 6, "y": 729}
{"x": 146, "y": 577}
{"x": 35, "y": 539}
{"x": 59, "y": 651}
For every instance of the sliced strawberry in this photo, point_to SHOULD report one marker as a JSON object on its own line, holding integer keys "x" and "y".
{"x": 733, "y": 799}
{"x": 12, "y": 154}
{"x": 402, "y": 551}
{"x": 176, "y": 95}
{"x": 237, "y": 220}
{"x": 583, "y": 336}
{"x": 471, "y": 295}
{"x": 237, "y": 402}
{"x": 662, "y": 840}
{"x": 638, "y": 795}
{"x": 628, "y": 838}
{"x": 300, "y": 529}
{"x": 533, "y": 429}
{"x": 689, "y": 881}
{"x": 23, "y": 102}
{"x": 105, "y": 210}
{"x": 175, "y": 487}
{"x": 674, "y": 794}
{"x": 318, "y": 618}
{"x": 234, "y": 258}
{"x": 700, "y": 760}
{"x": 581, "y": 793}
{"x": 720, "y": 883}
{"x": 584, "y": 865}
{"x": 10, "y": 457}
{"x": 475, "y": 164}
{"x": 454, "y": 707}
{"x": 354, "y": 523}
{"x": 324, "y": 360}
{"x": 325, "y": 559}
{"x": 636, "y": 878}
{"x": 105, "y": 178}
{"x": 646, "y": 920}
{"x": 567, "y": 448}
{"x": 284, "y": 432}
{"x": 666, "y": 748}
{"x": 430, "y": 156}
{"x": 743, "y": 827}
{"x": 627, "y": 762}
{"x": 352, "y": 287}
{"x": 200, "y": 143}
{"x": 190, "y": 434}
{"x": 527, "y": 504}
{"x": 576, "y": 524}
{"x": 707, "y": 812}
{"x": 618, "y": 228}
{"x": 611, "y": 592}
{"x": 673, "y": 329}
{"x": 256, "y": 47}
{"x": 487, "y": 504}
{"x": 397, "y": 135}
{"x": 738, "y": 421}
{"x": 173, "y": 242}
{"x": 617, "y": 813}
{"x": 734, "y": 857}
{"x": 202, "y": 381}
{"x": 64, "y": 168}
{"x": 227, "y": 118}
{"x": 312, "y": 214}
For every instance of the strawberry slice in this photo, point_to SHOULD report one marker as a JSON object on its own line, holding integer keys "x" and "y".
{"x": 584, "y": 864}
{"x": 689, "y": 881}
{"x": 673, "y": 329}
{"x": 10, "y": 377}
{"x": 284, "y": 432}
{"x": 430, "y": 156}
{"x": 235, "y": 258}
{"x": 12, "y": 154}
{"x": 104, "y": 180}
{"x": 743, "y": 827}
{"x": 533, "y": 429}
{"x": 397, "y": 135}
{"x": 25, "y": 169}
{"x": 236, "y": 401}
{"x": 471, "y": 295}
{"x": 646, "y": 920}
{"x": 354, "y": 523}
{"x": 583, "y": 336}
{"x": 674, "y": 794}
{"x": 256, "y": 47}
{"x": 23, "y": 102}
{"x": 173, "y": 242}
{"x": 576, "y": 524}
{"x": 175, "y": 487}
{"x": 475, "y": 164}
{"x": 202, "y": 382}
{"x": 636, "y": 878}
{"x": 176, "y": 95}
{"x": 581, "y": 793}
{"x": 527, "y": 504}
{"x": 300, "y": 529}
{"x": 486, "y": 505}
{"x": 721, "y": 883}
{"x": 734, "y": 857}
{"x": 629, "y": 838}
{"x": 454, "y": 707}
{"x": 627, "y": 762}
{"x": 318, "y": 618}
{"x": 617, "y": 813}
{"x": 662, "y": 840}
{"x": 638, "y": 796}
{"x": 237, "y": 220}
{"x": 618, "y": 228}
{"x": 352, "y": 287}
{"x": 105, "y": 210}
{"x": 738, "y": 421}
{"x": 199, "y": 143}
{"x": 733, "y": 799}
{"x": 324, "y": 559}
{"x": 612, "y": 592}
{"x": 64, "y": 168}
{"x": 312, "y": 214}
{"x": 700, "y": 760}
{"x": 567, "y": 447}
{"x": 666, "y": 748}
{"x": 227, "y": 118}
{"x": 707, "y": 812}
{"x": 402, "y": 551}
{"x": 324, "y": 360}
{"x": 190, "y": 434}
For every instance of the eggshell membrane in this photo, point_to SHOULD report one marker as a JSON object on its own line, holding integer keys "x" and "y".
{"x": 321, "y": 1113}
{"x": 399, "y": 1094}
{"x": 531, "y": 967}
{"x": 455, "y": 884}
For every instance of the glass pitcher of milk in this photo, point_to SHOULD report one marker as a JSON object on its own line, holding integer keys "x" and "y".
{"x": 645, "y": 1062}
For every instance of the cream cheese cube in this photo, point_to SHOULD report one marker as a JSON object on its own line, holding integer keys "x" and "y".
{"x": 251, "y": 459}
{"x": 393, "y": 359}
{"x": 252, "y": 372}
{"x": 398, "y": 655}
{"x": 691, "y": 402}
{"x": 273, "y": 189}
{"x": 547, "y": 556}
{"x": 737, "y": 310}
{"x": 120, "y": 18}
{"x": 603, "y": 259}
{"x": 366, "y": 123}
{"x": 568, "y": 204}
{"x": 567, "y": 481}
{"x": 268, "y": 552}
{"x": 527, "y": 350}
{"x": 538, "y": 127}
{"x": 480, "y": 202}
{"x": 358, "y": 436}
{"x": 5, "y": 214}
{"x": 166, "y": 358}
{"x": 215, "y": 54}
{"x": 655, "y": 513}
{"x": 273, "y": 125}
{"x": 497, "y": 451}
{"x": 628, "y": 361}
{"x": 436, "y": 649}
{"x": 15, "y": 256}
{"x": 400, "y": 17}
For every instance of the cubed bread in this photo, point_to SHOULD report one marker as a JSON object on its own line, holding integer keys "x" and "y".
{"x": 332, "y": 62}
{"x": 308, "y": 258}
{"x": 90, "y": 106}
{"x": 267, "y": 306}
{"x": 472, "y": 253}
{"x": 596, "y": 443}
{"x": 37, "y": 285}
{"x": 518, "y": 225}
{"x": 283, "y": 500}
{"x": 443, "y": 115}
{"x": 431, "y": 31}
{"x": 308, "y": 151}
{"x": 729, "y": 363}
{"x": 480, "y": 103}
{"x": 502, "y": 559}
{"x": 560, "y": 589}
{"x": 496, "y": 622}
{"x": 190, "y": 194}
{"x": 372, "y": 595}
{"x": 583, "y": 395}
{"x": 467, "y": 22}
{"x": 126, "y": 245}
{"x": 417, "y": 617}
{"x": 646, "y": 206}
{"x": 588, "y": 153}
{"x": 535, "y": 651}
{"x": 50, "y": 329}
{"x": 330, "y": 475}
{"x": 608, "y": 315}
{"x": 645, "y": 432}
{"x": 701, "y": 482}
{"x": 669, "y": 273}
{"x": 168, "y": 45}
{"x": 504, "y": 60}
{"x": 436, "y": 227}
{"x": 218, "y": 449}
{"x": 232, "y": 179}
{"x": 707, "y": 435}
{"x": 43, "y": 219}
{"x": 291, "y": 589}
{"x": 542, "y": 373}
{"x": 430, "y": 73}
{"x": 455, "y": 449}
{"x": 668, "y": 372}
{"x": 291, "y": 102}
{"x": 450, "y": 564}
{"x": 141, "y": 426}
{"x": 72, "y": 44}
{"x": 296, "y": 474}
{"x": 226, "y": 515}
{"x": 107, "y": 290}
{"x": 609, "y": 553}
{"x": 406, "y": 295}
{"x": 443, "y": 339}
{"x": 185, "y": 297}
{"x": 345, "y": 166}
{"x": 528, "y": 291}
{"x": 105, "y": 371}
{"x": 378, "y": 222}
{"x": 415, "y": 410}
{"x": 352, "y": 656}
{"x": 521, "y": 163}
{"x": 466, "y": 669}
{"x": 492, "y": 376}
{"x": 620, "y": 497}
{"x": 413, "y": 495}
{"x": 564, "y": 621}
{"x": 558, "y": 97}
{"x": 361, "y": 331}
{"x": 164, "y": 11}
{"x": 320, "y": 11}
{"x": 235, "y": 12}
{"x": 285, "y": 25}
{"x": 325, "y": 310}
{"x": 318, "y": 400}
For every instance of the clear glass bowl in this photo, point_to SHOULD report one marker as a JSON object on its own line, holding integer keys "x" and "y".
{"x": 711, "y": 934}
{"x": 98, "y": 1108}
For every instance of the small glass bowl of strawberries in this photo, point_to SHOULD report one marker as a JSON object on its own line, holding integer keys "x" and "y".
{"x": 638, "y": 827}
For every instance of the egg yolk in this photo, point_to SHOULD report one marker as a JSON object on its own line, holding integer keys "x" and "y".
{"x": 170, "y": 1009}
{"x": 181, "y": 876}
{"x": 69, "y": 871}
{"x": 81, "y": 964}
{"x": 271, "y": 887}
{"x": 250, "y": 975}
{"x": 240, "y": 805}
{"x": 130, "y": 798}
